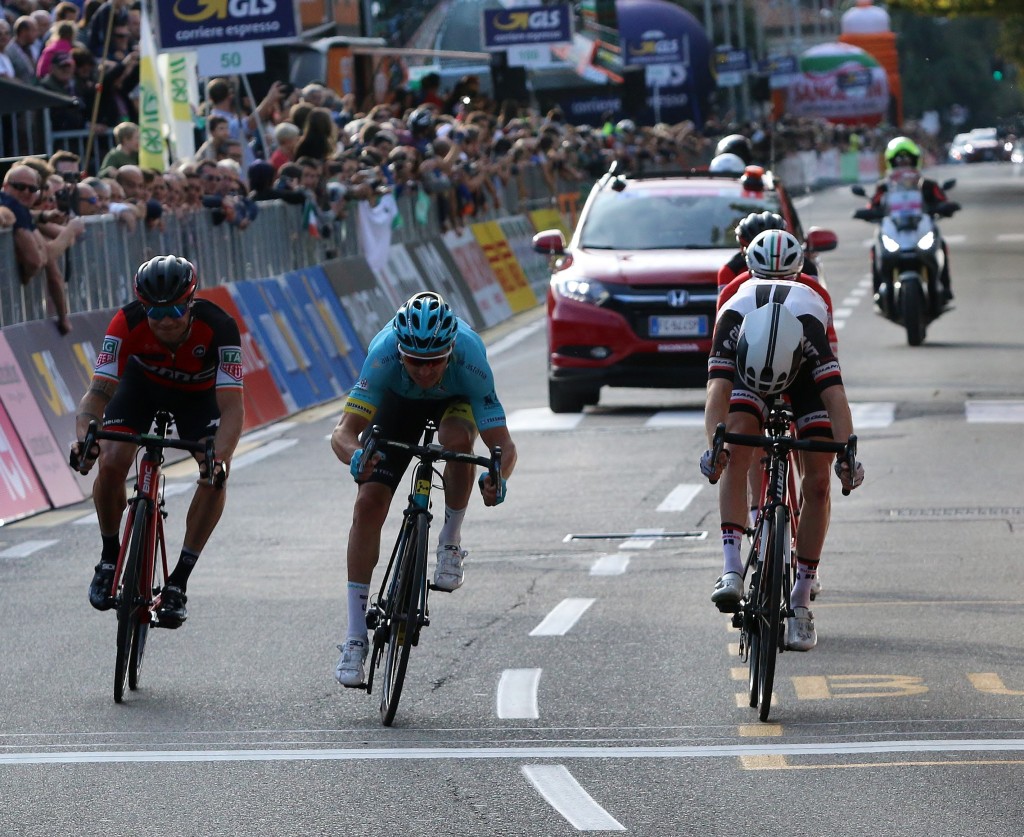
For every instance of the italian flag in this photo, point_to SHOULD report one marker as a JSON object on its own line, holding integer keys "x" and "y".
{"x": 310, "y": 220}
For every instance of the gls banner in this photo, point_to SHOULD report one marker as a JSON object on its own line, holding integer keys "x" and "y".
{"x": 185, "y": 24}
{"x": 504, "y": 28}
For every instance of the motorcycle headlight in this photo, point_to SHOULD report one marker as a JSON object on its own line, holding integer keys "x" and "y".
{"x": 580, "y": 290}
{"x": 927, "y": 240}
{"x": 891, "y": 245}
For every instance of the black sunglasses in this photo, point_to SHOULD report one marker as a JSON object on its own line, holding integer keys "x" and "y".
{"x": 24, "y": 187}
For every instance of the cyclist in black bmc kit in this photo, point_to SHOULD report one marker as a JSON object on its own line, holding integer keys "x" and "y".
{"x": 165, "y": 351}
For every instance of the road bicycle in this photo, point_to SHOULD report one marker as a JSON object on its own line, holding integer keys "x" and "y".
{"x": 139, "y": 576}
{"x": 762, "y": 614}
{"x": 400, "y": 609}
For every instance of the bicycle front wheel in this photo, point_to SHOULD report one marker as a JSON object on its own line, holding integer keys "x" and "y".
{"x": 128, "y": 603}
{"x": 775, "y": 548}
{"x": 147, "y": 592}
{"x": 403, "y": 615}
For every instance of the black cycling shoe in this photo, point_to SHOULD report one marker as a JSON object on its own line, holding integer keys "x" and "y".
{"x": 99, "y": 587}
{"x": 172, "y": 612}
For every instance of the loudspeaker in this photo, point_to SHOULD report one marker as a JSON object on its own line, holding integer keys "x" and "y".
{"x": 508, "y": 82}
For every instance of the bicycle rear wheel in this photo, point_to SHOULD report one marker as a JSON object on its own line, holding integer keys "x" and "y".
{"x": 769, "y": 617}
{"x": 403, "y": 615}
{"x": 128, "y": 598}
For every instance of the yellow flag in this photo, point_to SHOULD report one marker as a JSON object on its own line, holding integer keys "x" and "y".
{"x": 152, "y": 148}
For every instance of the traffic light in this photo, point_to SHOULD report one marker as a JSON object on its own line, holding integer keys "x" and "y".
{"x": 998, "y": 69}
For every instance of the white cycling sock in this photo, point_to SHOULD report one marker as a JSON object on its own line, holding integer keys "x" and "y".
{"x": 732, "y": 539}
{"x": 358, "y": 595}
{"x": 451, "y": 531}
{"x": 806, "y": 572}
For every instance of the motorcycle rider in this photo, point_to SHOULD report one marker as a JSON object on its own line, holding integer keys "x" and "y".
{"x": 902, "y": 157}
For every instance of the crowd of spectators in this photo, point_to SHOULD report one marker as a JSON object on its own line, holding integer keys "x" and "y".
{"x": 308, "y": 146}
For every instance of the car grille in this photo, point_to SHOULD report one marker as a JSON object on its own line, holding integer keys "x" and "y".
{"x": 637, "y": 305}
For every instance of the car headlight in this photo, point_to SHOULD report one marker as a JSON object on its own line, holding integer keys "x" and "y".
{"x": 580, "y": 290}
{"x": 927, "y": 240}
{"x": 891, "y": 245}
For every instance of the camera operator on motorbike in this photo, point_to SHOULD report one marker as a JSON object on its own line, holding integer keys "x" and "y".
{"x": 903, "y": 170}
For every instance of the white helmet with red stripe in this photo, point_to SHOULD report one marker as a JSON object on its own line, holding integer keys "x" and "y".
{"x": 775, "y": 254}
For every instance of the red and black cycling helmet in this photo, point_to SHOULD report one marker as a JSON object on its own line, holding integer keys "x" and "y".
{"x": 756, "y": 223}
{"x": 166, "y": 280}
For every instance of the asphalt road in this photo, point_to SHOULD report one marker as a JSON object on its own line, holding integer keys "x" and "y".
{"x": 575, "y": 683}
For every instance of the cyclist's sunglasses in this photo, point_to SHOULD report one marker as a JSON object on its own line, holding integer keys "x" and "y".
{"x": 175, "y": 312}
{"x": 413, "y": 360}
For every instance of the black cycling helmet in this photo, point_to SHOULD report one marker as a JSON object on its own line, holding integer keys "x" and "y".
{"x": 756, "y": 223}
{"x": 166, "y": 280}
{"x": 420, "y": 120}
{"x": 736, "y": 144}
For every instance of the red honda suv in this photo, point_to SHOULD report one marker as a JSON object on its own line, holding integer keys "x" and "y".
{"x": 632, "y": 296}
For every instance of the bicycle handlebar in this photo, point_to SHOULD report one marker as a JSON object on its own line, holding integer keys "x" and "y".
{"x": 433, "y": 452}
{"x": 846, "y": 450}
{"x": 146, "y": 440}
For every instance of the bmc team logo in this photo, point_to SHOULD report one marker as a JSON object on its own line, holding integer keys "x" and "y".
{"x": 231, "y": 363}
{"x": 108, "y": 352}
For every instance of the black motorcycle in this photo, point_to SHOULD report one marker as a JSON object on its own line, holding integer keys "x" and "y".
{"x": 908, "y": 255}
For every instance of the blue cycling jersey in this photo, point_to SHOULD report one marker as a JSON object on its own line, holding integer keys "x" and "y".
{"x": 468, "y": 377}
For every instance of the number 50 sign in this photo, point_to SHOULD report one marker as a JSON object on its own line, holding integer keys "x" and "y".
{"x": 230, "y": 59}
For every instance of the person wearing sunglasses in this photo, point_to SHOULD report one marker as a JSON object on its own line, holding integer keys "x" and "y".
{"x": 426, "y": 364}
{"x": 166, "y": 350}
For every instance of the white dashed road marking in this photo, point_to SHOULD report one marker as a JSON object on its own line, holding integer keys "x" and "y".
{"x": 563, "y": 793}
{"x": 23, "y": 550}
{"x": 995, "y": 412}
{"x": 680, "y": 497}
{"x": 561, "y": 619}
{"x": 517, "y": 693}
{"x": 614, "y": 564}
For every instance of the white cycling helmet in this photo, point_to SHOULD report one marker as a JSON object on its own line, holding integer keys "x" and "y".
{"x": 729, "y": 163}
{"x": 769, "y": 349}
{"x": 775, "y": 254}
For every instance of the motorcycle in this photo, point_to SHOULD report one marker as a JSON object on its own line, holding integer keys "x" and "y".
{"x": 908, "y": 255}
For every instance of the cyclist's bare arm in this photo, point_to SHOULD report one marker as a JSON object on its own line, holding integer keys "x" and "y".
{"x": 345, "y": 437}
{"x": 500, "y": 437}
{"x": 716, "y": 408}
{"x": 231, "y": 404}
{"x": 91, "y": 408}
{"x": 838, "y": 407}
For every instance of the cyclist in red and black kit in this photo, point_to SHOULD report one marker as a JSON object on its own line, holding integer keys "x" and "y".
{"x": 746, "y": 231}
{"x": 165, "y": 351}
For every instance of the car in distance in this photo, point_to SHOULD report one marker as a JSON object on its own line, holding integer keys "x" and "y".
{"x": 632, "y": 296}
{"x": 980, "y": 145}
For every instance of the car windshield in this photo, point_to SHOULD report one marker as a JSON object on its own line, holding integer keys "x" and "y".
{"x": 660, "y": 219}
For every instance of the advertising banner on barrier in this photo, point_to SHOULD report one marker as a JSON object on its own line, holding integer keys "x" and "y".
{"x": 503, "y": 262}
{"x": 263, "y": 402}
{"x": 58, "y": 370}
{"x": 439, "y": 273}
{"x": 368, "y": 306}
{"x": 27, "y": 431}
{"x": 331, "y": 325}
{"x": 474, "y": 268}
{"x": 519, "y": 233}
{"x": 21, "y": 494}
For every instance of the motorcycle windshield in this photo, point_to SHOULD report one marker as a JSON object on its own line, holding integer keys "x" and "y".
{"x": 904, "y": 207}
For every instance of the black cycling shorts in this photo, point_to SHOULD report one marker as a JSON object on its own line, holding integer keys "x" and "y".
{"x": 809, "y": 413}
{"x": 137, "y": 400}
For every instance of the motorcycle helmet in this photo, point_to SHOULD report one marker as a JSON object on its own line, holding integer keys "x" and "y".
{"x": 425, "y": 325}
{"x": 756, "y": 223}
{"x": 727, "y": 163}
{"x": 902, "y": 152}
{"x": 625, "y": 126}
{"x": 769, "y": 349}
{"x": 421, "y": 120}
{"x": 736, "y": 144}
{"x": 166, "y": 280}
{"x": 774, "y": 254}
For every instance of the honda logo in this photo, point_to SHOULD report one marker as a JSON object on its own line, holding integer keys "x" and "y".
{"x": 678, "y": 299}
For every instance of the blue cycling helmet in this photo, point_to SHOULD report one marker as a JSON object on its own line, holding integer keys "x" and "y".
{"x": 425, "y": 325}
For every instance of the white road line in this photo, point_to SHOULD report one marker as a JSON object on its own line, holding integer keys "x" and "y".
{"x": 680, "y": 497}
{"x": 842, "y": 313}
{"x": 514, "y": 338}
{"x": 994, "y": 412}
{"x": 614, "y": 564}
{"x": 838, "y": 325}
{"x": 561, "y": 619}
{"x": 1011, "y": 237}
{"x": 831, "y": 748}
{"x": 264, "y": 432}
{"x": 676, "y": 418}
{"x": 954, "y": 239}
{"x": 867, "y": 414}
{"x": 860, "y": 290}
{"x": 541, "y": 418}
{"x": 517, "y": 693}
{"x": 23, "y": 550}
{"x": 563, "y": 793}
{"x": 638, "y": 541}
{"x": 262, "y": 452}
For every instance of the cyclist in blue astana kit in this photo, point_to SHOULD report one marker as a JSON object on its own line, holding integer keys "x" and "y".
{"x": 426, "y": 364}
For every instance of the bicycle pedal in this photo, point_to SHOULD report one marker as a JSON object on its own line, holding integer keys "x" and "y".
{"x": 362, "y": 686}
{"x": 432, "y": 586}
{"x": 737, "y": 619}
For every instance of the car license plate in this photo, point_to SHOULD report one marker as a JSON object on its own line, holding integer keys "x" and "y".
{"x": 695, "y": 325}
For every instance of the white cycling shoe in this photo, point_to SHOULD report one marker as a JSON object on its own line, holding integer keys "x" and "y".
{"x": 351, "y": 668}
{"x": 728, "y": 592}
{"x": 449, "y": 573}
{"x": 800, "y": 633}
